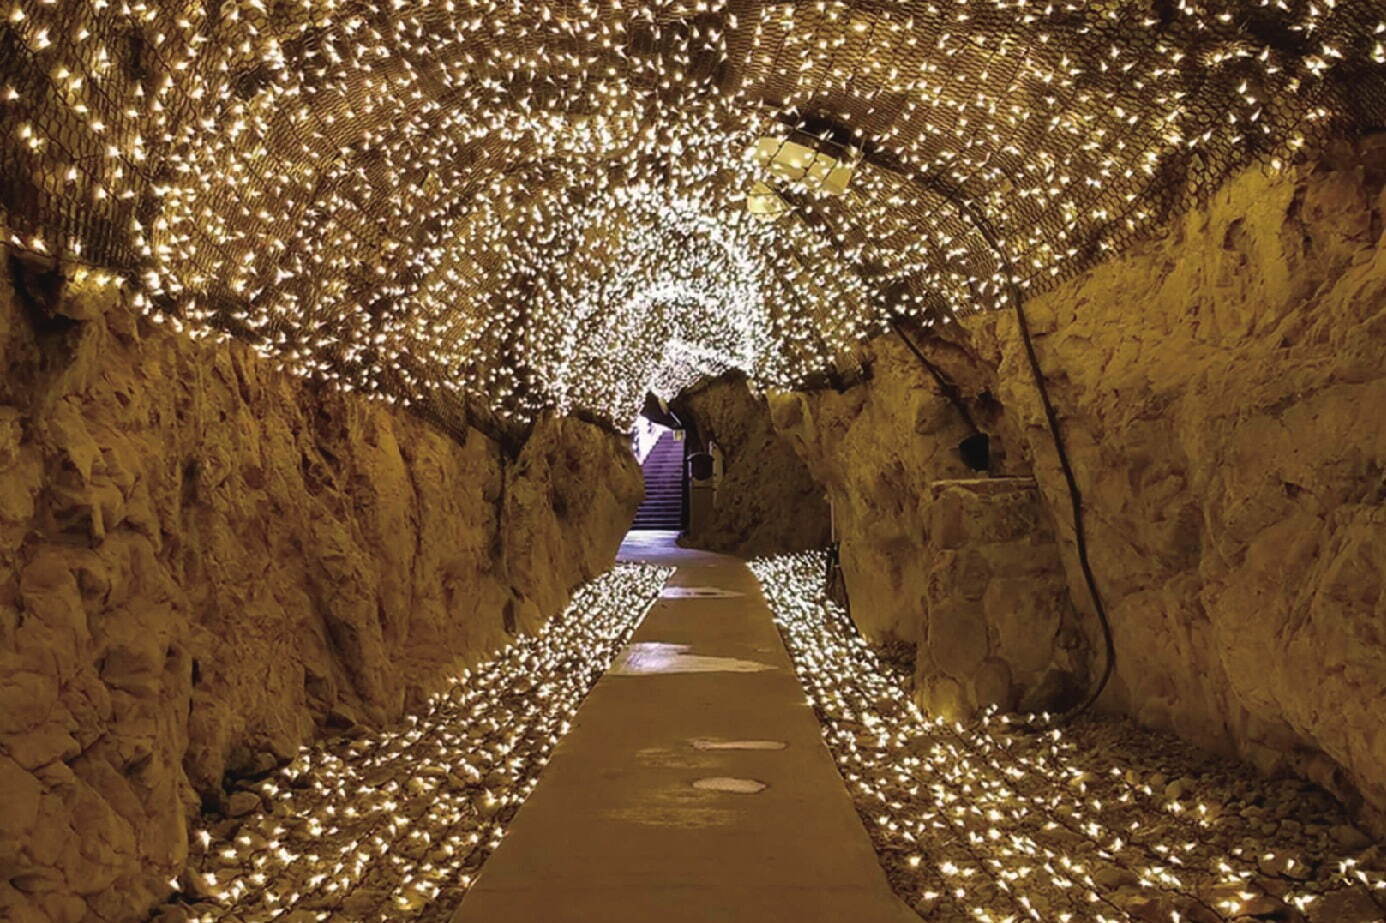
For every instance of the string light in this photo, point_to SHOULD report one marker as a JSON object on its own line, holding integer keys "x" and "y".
{"x": 544, "y": 204}
{"x": 1009, "y": 819}
{"x": 394, "y": 826}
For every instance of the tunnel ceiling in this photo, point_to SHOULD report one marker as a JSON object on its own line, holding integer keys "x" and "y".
{"x": 526, "y": 204}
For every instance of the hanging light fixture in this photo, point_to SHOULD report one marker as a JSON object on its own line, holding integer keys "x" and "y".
{"x": 804, "y": 162}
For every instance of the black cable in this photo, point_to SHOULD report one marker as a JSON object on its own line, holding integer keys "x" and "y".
{"x": 954, "y": 196}
{"x": 949, "y": 390}
{"x": 1074, "y": 494}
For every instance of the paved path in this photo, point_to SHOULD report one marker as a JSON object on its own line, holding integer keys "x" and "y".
{"x": 651, "y": 810}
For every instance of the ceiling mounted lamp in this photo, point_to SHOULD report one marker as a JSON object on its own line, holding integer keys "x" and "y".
{"x": 804, "y": 162}
{"x": 764, "y": 202}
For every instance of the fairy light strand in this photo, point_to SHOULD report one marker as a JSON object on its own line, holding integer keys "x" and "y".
{"x": 536, "y": 205}
{"x": 1012, "y": 819}
{"x": 395, "y": 825}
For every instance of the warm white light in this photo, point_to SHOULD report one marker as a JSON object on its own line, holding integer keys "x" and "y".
{"x": 401, "y": 814}
{"x": 528, "y": 204}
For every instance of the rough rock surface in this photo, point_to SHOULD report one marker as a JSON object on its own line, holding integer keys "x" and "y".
{"x": 999, "y": 629}
{"x": 1152, "y": 828}
{"x": 767, "y": 502}
{"x": 876, "y": 448}
{"x": 437, "y": 790}
{"x": 203, "y": 563}
{"x": 1220, "y": 391}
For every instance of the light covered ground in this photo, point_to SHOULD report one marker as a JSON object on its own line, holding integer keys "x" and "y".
{"x": 1019, "y": 819}
{"x": 1007, "y": 820}
{"x": 694, "y": 787}
{"x": 394, "y": 825}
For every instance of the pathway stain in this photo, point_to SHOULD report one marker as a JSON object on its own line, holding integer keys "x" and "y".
{"x": 698, "y": 592}
{"x": 634, "y": 823}
{"x": 689, "y": 818}
{"x": 701, "y": 743}
{"x": 730, "y": 784}
{"x": 650, "y": 657}
{"x": 674, "y": 758}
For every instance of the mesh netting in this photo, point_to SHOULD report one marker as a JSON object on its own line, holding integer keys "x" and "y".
{"x": 523, "y": 205}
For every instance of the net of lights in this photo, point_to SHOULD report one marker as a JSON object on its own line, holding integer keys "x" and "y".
{"x": 1006, "y": 820}
{"x": 516, "y": 202}
{"x": 395, "y": 825}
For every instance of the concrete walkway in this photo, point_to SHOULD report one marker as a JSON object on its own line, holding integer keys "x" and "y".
{"x": 694, "y": 785}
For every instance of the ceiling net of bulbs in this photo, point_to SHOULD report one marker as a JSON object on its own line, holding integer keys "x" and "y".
{"x": 524, "y": 204}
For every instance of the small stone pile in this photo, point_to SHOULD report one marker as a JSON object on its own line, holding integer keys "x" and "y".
{"x": 1017, "y": 819}
{"x": 395, "y": 826}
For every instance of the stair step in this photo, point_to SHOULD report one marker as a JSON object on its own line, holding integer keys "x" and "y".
{"x": 662, "y": 509}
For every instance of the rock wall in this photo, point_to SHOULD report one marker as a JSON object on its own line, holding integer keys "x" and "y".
{"x": 204, "y": 563}
{"x": 1220, "y": 391}
{"x": 766, "y": 501}
{"x": 1222, "y": 394}
{"x": 876, "y": 448}
{"x": 999, "y": 629}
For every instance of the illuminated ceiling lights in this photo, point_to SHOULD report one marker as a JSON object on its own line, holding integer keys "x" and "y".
{"x": 802, "y": 162}
{"x": 531, "y": 205}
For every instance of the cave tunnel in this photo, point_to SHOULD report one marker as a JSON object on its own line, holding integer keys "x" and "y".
{"x": 1014, "y": 547}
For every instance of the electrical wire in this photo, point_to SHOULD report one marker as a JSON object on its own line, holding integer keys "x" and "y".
{"x": 1075, "y": 495}
{"x": 947, "y": 387}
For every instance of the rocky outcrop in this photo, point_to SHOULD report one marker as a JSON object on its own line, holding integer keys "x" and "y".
{"x": 876, "y": 448}
{"x": 999, "y": 630}
{"x": 204, "y": 563}
{"x": 1220, "y": 392}
{"x": 766, "y": 501}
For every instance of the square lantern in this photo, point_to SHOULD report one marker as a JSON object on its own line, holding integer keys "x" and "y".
{"x": 802, "y": 161}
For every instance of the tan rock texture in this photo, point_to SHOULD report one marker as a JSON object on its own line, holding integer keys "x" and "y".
{"x": 999, "y": 629}
{"x": 204, "y": 561}
{"x": 877, "y": 447}
{"x": 767, "y": 502}
{"x": 1221, "y": 392}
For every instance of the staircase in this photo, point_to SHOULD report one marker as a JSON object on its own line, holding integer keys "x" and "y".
{"x": 663, "y": 506}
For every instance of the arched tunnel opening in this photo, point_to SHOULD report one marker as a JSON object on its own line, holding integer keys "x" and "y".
{"x": 688, "y": 460}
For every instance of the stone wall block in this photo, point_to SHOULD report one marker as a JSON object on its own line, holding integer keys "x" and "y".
{"x": 948, "y": 528}
{"x": 1026, "y": 620}
{"x": 956, "y": 640}
{"x": 991, "y": 686}
{"x": 876, "y": 448}
{"x": 942, "y": 696}
{"x": 992, "y": 559}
